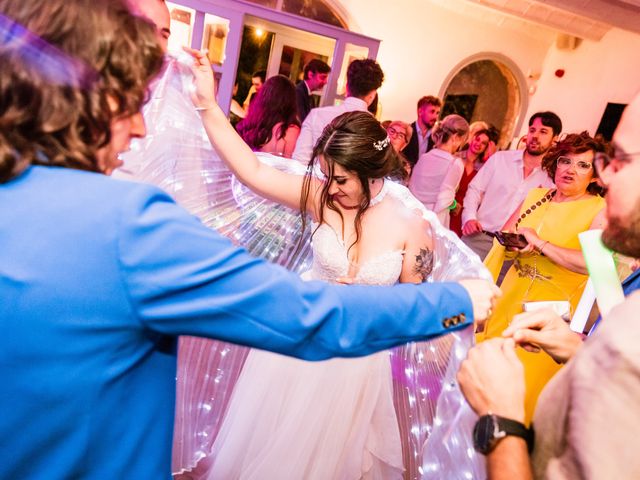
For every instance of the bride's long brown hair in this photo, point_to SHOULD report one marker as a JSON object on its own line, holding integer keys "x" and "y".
{"x": 358, "y": 143}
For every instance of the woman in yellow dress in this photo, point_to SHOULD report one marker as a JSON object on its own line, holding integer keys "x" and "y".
{"x": 551, "y": 267}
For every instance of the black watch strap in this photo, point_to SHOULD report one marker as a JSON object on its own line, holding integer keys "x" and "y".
{"x": 490, "y": 429}
{"x": 517, "y": 429}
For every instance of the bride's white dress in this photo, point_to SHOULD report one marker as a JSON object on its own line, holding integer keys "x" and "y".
{"x": 290, "y": 419}
{"x": 287, "y": 419}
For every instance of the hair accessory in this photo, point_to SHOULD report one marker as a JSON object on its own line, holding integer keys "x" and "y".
{"x": 381, "y": 144}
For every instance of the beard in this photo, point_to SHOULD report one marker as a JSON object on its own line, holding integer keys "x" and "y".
{"x": 623, "y": 236}
{"x": 538, "y": 150}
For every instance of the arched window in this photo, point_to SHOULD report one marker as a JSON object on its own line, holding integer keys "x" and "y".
{"x": 311, "y": 9}
{"x": 488, "y": 87}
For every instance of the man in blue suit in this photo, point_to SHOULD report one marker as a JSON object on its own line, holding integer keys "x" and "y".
{"x": 98, "y": 277}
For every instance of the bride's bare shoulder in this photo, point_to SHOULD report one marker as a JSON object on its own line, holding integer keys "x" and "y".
{"x": 409, "y": 220}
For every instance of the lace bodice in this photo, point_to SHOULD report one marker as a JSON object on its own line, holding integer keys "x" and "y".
{"x": 330, "y": 261}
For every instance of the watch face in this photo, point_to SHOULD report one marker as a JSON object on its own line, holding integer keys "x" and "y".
{"x": 483, "y": 434}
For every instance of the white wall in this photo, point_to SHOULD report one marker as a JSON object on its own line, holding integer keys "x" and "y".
{"x": 595, "y": 73}
{"x": 423, "y": 40}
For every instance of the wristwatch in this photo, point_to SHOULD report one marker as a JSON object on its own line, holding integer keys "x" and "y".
{"x": 490, "y": 429}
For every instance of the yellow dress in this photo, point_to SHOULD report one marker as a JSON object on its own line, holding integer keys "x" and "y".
{"x": 534, "y": 277}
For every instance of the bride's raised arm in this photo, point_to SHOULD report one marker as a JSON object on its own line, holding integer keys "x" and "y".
{"x": 266, "y": 181}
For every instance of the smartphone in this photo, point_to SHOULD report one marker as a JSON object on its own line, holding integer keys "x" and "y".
{"x": 509, "y": 240}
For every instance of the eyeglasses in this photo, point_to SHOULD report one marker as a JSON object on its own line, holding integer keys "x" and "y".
{"x": 395, "y": 133}
{"x": 606, "y": 165}
{"x": 581, "y": 166}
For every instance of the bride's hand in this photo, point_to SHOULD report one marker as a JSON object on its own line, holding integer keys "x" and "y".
{"x": 204, "y": 95}
{"x": 345, "y": 280}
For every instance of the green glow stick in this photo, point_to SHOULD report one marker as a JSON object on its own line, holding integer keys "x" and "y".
{"x": 602, "y": 271}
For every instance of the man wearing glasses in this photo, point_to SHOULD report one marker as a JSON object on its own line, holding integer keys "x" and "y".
{"x": 587, "y": 416}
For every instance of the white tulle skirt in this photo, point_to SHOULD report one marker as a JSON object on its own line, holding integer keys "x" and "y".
{"x": 290, "y": 419}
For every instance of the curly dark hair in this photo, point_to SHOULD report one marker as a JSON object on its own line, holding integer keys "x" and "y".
{"x": 575, "y": 143}
{"x": 363, "y": 76}
{"x": 63, "y": 63}
{"x": 275, "y": 103}
{"x": 348, "y": 141}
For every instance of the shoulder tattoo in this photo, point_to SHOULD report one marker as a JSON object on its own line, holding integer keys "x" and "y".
{"x": 423, "y": 264}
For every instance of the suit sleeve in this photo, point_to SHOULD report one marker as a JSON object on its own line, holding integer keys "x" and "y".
{"x": 301, "y": 101}
{"x": 183, "y": 278}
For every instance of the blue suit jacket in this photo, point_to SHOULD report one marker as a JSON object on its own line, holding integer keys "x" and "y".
{"x": 98, "y": 277}
{"x": 631, "y": 283}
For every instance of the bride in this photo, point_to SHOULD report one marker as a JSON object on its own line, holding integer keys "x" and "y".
{"x": 334, "y": 419}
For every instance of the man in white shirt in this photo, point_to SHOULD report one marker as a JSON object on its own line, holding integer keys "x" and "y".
{"x": 501, "y": 185}
{"x": 364, "y": 77}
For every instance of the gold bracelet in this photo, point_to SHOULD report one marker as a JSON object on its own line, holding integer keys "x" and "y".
{"x": 544, "y": 244}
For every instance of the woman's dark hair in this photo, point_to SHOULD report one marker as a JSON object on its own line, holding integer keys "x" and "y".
{"x": 63, "y": 63}
{"x": 492, "y": 133}
{"x": 571, "y": 144}
{"x": 358, "y": 143}
{"x": 275, "y": 103}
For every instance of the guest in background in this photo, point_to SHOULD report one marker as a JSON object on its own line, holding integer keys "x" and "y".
{"x": 492, "y": 147}
{"x": 436, "y": 176}
{"x": 504, "y": 181}
{"x": 364, "y": 77}
{"x": 236, "y": 112}
{"x": 586, "y": 418}
{"x": 421, "y": 141}
{"x": 551, "y": 266}
{"x": 475, "y": 127}
{"x": 375, "y": 108}
{"x": 272, "y": 124}
{"x": 316, "y": 74}
{"x": 473, "y": 157}
{"x": 257, "y": 80}
{"x": 399, "y": 134}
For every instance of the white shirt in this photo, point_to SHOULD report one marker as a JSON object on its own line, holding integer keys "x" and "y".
{"x": 434, "y": 181}
{"x": 499, "y": 188}
{"x": 315, "y": 122}
{"x": 423, "y": 139}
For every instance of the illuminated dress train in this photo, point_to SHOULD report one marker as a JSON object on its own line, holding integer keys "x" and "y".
{"x": 281, "y": 417}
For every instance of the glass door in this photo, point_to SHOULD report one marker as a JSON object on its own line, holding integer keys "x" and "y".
{"x": 219, "y": 26}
